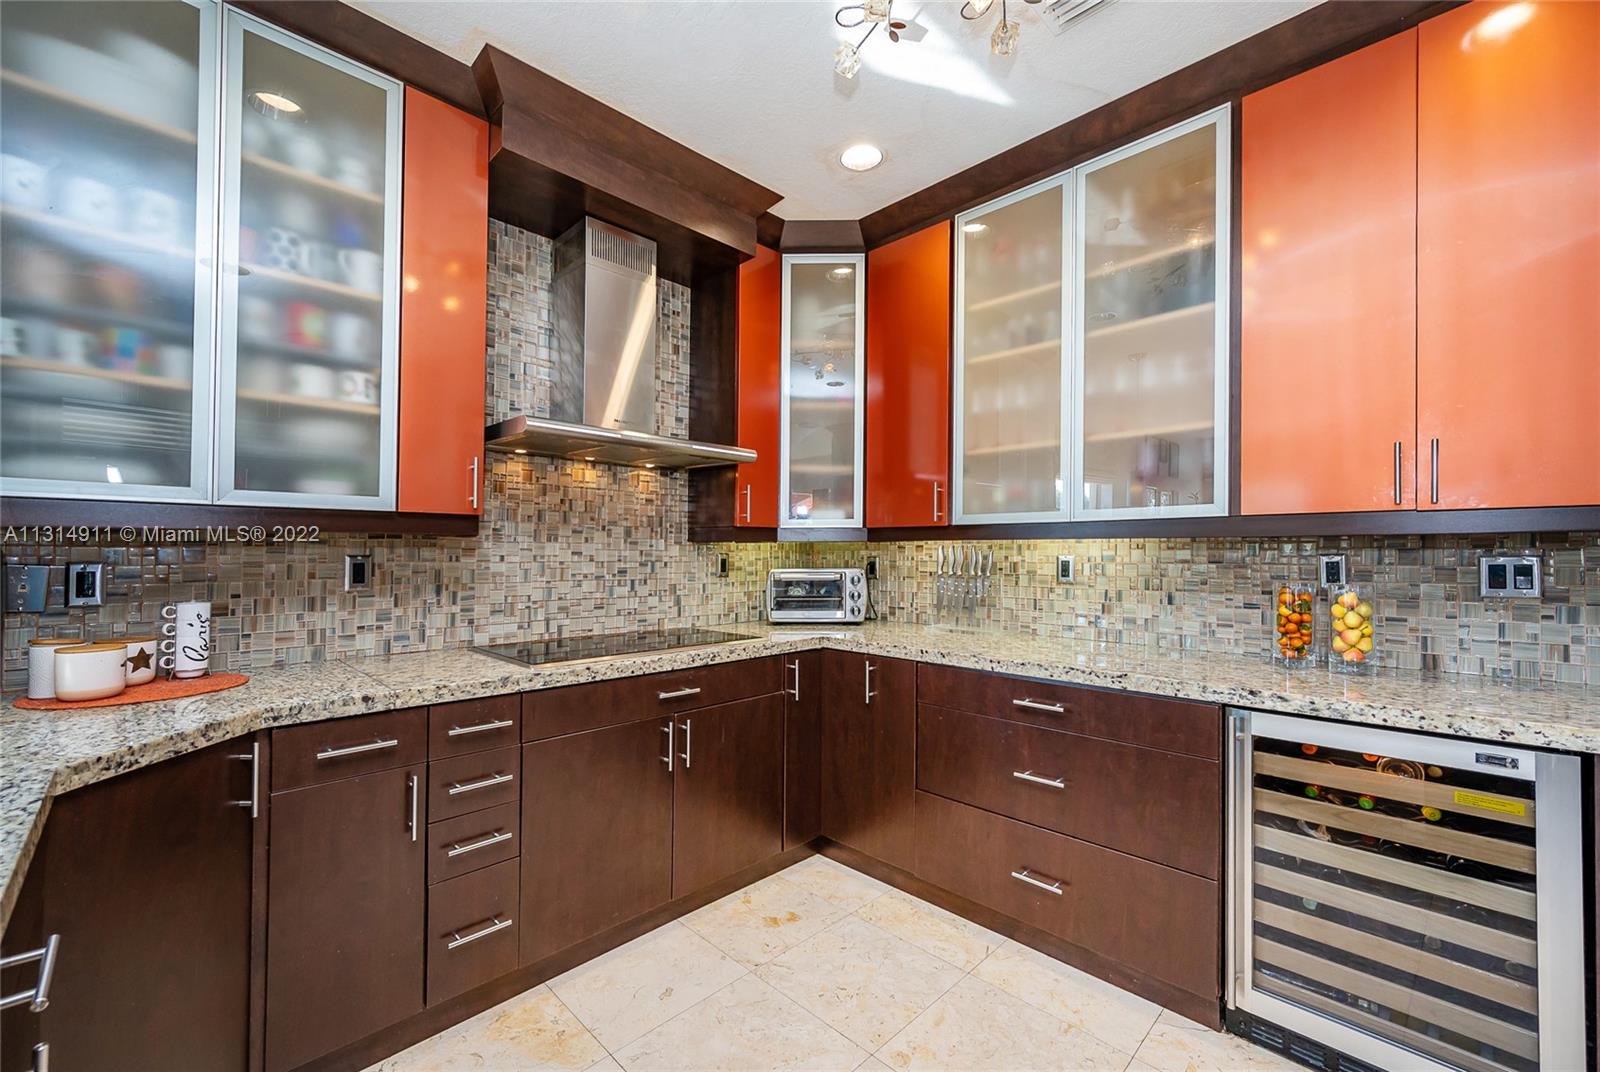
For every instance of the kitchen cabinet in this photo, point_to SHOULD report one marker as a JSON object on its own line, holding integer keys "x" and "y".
{"x": 869, "y": 754}
{"x": 1329, "y": 217}
{"x": 610, "y": 787}
{"x": 822, "y": 364}
{"x": 727, "y": 795}
{"x": 802, "y": 754}
{"x": 1508, "y": 256}
{"x": 908, "y": 380}
{"x": 444, "y": 258}
{"x": 146, "y": 877}
{"x": 760, "y": 389}
{"x": 346, "y": 899}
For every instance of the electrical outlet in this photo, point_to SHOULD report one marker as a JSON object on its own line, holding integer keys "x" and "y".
{"x": 357, "y": 572}
{"x": 84, "y": 584}
{"x": 1511, "y": 576}
{"x": 722, "y": 565}
{"x": 1066, "y": 569}
{"x": 872, "y": 569}
{"x": 1333, "y": 570}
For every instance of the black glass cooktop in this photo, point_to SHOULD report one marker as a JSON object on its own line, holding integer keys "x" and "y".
{"x": 600, "y": 645}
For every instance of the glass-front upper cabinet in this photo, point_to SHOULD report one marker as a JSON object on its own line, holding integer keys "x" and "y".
{"x": 1152, "y": 364}
{"x": 310, "y": 287}
{"x": 106, "y": 200}
{"x": 1010, "y": 318}
{"x": 821, "y": 425}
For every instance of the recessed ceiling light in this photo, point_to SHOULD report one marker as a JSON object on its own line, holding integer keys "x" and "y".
{"x": 844, "y": 271}
{"x": 862, "y": 157}
{"x": 974, "y": 228}
{"x": 273, "y": 105}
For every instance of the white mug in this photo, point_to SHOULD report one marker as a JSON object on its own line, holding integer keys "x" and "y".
{"x": 312, "y": 381}
{"x": 76, "y": 346}
{"x": 351, "y": 334}
{"x": 362, "y": 268}
{"x": 23, "y": 182}
{"x": 139, "y": 667}
{"x": 304, "y": 150}
{"x": 89, "y": 201}
{"x": 154, "y": 215}
{"x": 90, "y": 671}
{"x": 358, "y": 386}
{"x": 13, "y": 337}
{"x": 188, "y": 644}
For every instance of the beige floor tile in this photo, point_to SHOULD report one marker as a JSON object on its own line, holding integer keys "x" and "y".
{"x": 872, "y": 1064}
{"x": 840, "y": 886}
{"x": 977, "y": 1027}
{"x": 860, "y": 980}
{"x": 948, "y": 937}
{"x": 744, "y": 1027}
{"x": 1178, "y": 1044}
{"x": 533, "y": 1032}
{"x": 640, "y": 986}
{"x": 1110, "y": 1013}
{"x": 607, "y": 1064}
{"x": 758, "y": 922}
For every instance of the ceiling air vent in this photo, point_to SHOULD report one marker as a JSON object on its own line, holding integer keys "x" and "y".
{"x": 1061, "y": 14}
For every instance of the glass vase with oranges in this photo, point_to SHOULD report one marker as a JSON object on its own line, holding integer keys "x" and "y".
{"x": 1294, "y": 620}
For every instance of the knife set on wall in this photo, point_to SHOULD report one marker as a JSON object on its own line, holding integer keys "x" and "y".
{"x": 72, "y": 670}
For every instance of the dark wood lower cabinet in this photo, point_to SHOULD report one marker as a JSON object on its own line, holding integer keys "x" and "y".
{"x": 727, "y": 810}
{"x": 345, "y": 925}
{"x": 869, "y": 754}
{"x": 596, "y": 833}
{"x": 472, "y": 930}
{"x": 802, "y": 733}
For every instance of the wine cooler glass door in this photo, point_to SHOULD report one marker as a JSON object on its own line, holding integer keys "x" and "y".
{"x": 1413, "y": 901}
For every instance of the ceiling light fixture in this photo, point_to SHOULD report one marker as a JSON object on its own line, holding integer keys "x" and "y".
{"x": 847, "y": 57}
{"x": 274, "y": 105}
{"x": 1003, "y": 41}
{"x": 861, "y": 157}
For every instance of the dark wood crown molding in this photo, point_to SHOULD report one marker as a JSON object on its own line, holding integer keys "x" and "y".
{"x": 822, "y": 236}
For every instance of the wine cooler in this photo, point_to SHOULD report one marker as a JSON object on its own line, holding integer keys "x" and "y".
{"x": 1412, "y": 902}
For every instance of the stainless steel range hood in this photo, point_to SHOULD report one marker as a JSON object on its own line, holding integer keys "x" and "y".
{"x": 603, "y": 397}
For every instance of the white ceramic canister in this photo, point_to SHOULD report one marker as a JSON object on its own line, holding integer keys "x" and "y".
{"x": 42, "y": 667}
{"x": 140, "y": 668}
{"x": 90, "y": 671}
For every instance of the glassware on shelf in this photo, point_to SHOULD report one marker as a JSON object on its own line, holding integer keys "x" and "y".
{"x": 1295, "y": 625}
{"x": 1352, "y": 641}
{"x": 822, "y": 389}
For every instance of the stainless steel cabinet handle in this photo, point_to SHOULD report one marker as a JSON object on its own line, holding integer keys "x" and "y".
{"x": 1026, "y": 875}
{"x": 39, "y": 997}
{"x": 459, "y": 939}
{"x": 937, "y": 513}
{"x": 413, "y": 785}
{"x": 1039, "y": 779}
{"x": 356, "y": 749}
{"x": 677, "y": 694}
{"x": 667, "y": 729}
{"x": 1039, "y": 705}
{"x": 747, "y": 514}
{"x": 254, "y": 803}
{"x": 870, "y": 693}
{"x": 479, "y": 727}
{"x": 1433, "y": 477}
{"x": 472, "y": 496}
{"x": 795, "y": 692}
{"x": 457, "y": 788}
{"x": 1397, "y": 457}
{"x": 41, "y": 1058}
{"x": 461, "y": 848}
{"x": 688, "y": 744}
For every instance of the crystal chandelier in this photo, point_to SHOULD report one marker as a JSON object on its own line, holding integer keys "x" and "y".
{"x": 1003, "y": 42}
{"x": 874, "y": 13}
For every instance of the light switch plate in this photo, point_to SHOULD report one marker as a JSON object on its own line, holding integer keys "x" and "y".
{"x": 85, "y": 584}
{"x": 1511, "y": 576}
{"x": 26, "y": 588}
{"x": 1066, "y": 569}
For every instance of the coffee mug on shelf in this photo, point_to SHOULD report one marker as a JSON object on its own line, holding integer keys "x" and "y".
{"x": 304, "y": 151}
{"x": 306, "y": 324}
{"x": 358, "y": 386}
{"x": 187, "y": 647}
{"x": 24, "y": 183}
{"x": 74, "y": 346}
{"x": 154, "y": 215}
{"x": 283, "y": 249}
{"x": 351, "y": 335}
{"x": 258, "y": 318}
{"x": 317, "y": 260}
{"x": 362, "y": 268}
{"x": 90, "y": 671}
{"x": 140, "y": 667}
{"x": 89, "y": 201}
{"x": 13, "y": 337}
{"x": 312, "y": 381}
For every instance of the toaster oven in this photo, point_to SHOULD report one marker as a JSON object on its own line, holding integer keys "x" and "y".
{"x": 816, "y": 595}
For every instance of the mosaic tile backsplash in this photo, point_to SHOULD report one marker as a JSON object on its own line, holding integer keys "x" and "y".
{"x": 575, "y": 548}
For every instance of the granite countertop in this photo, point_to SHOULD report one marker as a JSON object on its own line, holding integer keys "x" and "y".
{"x": 46, "y": 753}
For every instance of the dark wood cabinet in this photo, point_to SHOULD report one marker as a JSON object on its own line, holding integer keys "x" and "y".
{"x": 727, "y": 810}
{"x": 802, "y": 759}
{"x": 472, "y": 930}
{"x": 147, "y": 879}
{"x": 346, "y": 896}
{"x": 869, "y": 745}
{"x": 596, "y": 831}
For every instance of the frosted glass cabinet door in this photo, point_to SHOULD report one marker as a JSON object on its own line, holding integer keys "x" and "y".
{"x": 311, "y": 196}
{"x": 821, "y": 426}
{"x": 1152, "y": 356}
{"x": 106, "y": 187}
{"x": 1010, "y": 310}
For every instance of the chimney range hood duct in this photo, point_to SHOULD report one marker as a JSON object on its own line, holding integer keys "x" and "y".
{"x": 603, "y": 397}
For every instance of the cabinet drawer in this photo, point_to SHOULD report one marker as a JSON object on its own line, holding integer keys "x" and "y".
{"x": 1117, "y": 795}
{"x": 473, "y": 782}
{"x": 1152, "y": 919}
{"x": 455, "y": 729}
{"x": 346, "y": 747}
{"x": 553, "y": 712}
{"x": 472, "y": 930}
{"x": 1131, "y": 717}
{"x": 468, "y": 842}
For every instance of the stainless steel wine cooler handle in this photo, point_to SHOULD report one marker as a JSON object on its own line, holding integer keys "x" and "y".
{"x": 1039, "y": 779}
{"x": 1025, "y": 875}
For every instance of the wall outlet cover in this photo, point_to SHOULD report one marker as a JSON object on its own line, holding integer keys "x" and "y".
{"x": 722, "y": 565}
{"x": 85, "y": 584}
{"x": 872, "y": 568}
{"x": 1066, "y": 569}
{"x": 357, "y": 572}
{"x": 1333, "y": 570}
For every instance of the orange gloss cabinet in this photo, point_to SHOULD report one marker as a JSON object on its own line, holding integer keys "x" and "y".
{"x": 760, "y": 387}
{"x": 908, "y": 380}
{"x": 1328, "y": 363}
{"x": 444, "y": 261}
{"x": 1508, "y": 234}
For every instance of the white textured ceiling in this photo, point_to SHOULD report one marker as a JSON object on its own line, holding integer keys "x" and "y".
{"x": 750, "y": 83}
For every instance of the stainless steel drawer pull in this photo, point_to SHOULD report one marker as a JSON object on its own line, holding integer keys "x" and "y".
{"x": 456, "y": 788}
{"x": 1026, "y": 875}
{"x": 1039, "y": 779}
{"x": 677, "y": 694}
{"x": 462, "y": 848}
{"x": 39, "y": 997}
{"x": 459, "y": 939}
{"x": 1039, "y": 705}
{"x": 356, "y": 749}
{"x": 480, "y": 727}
